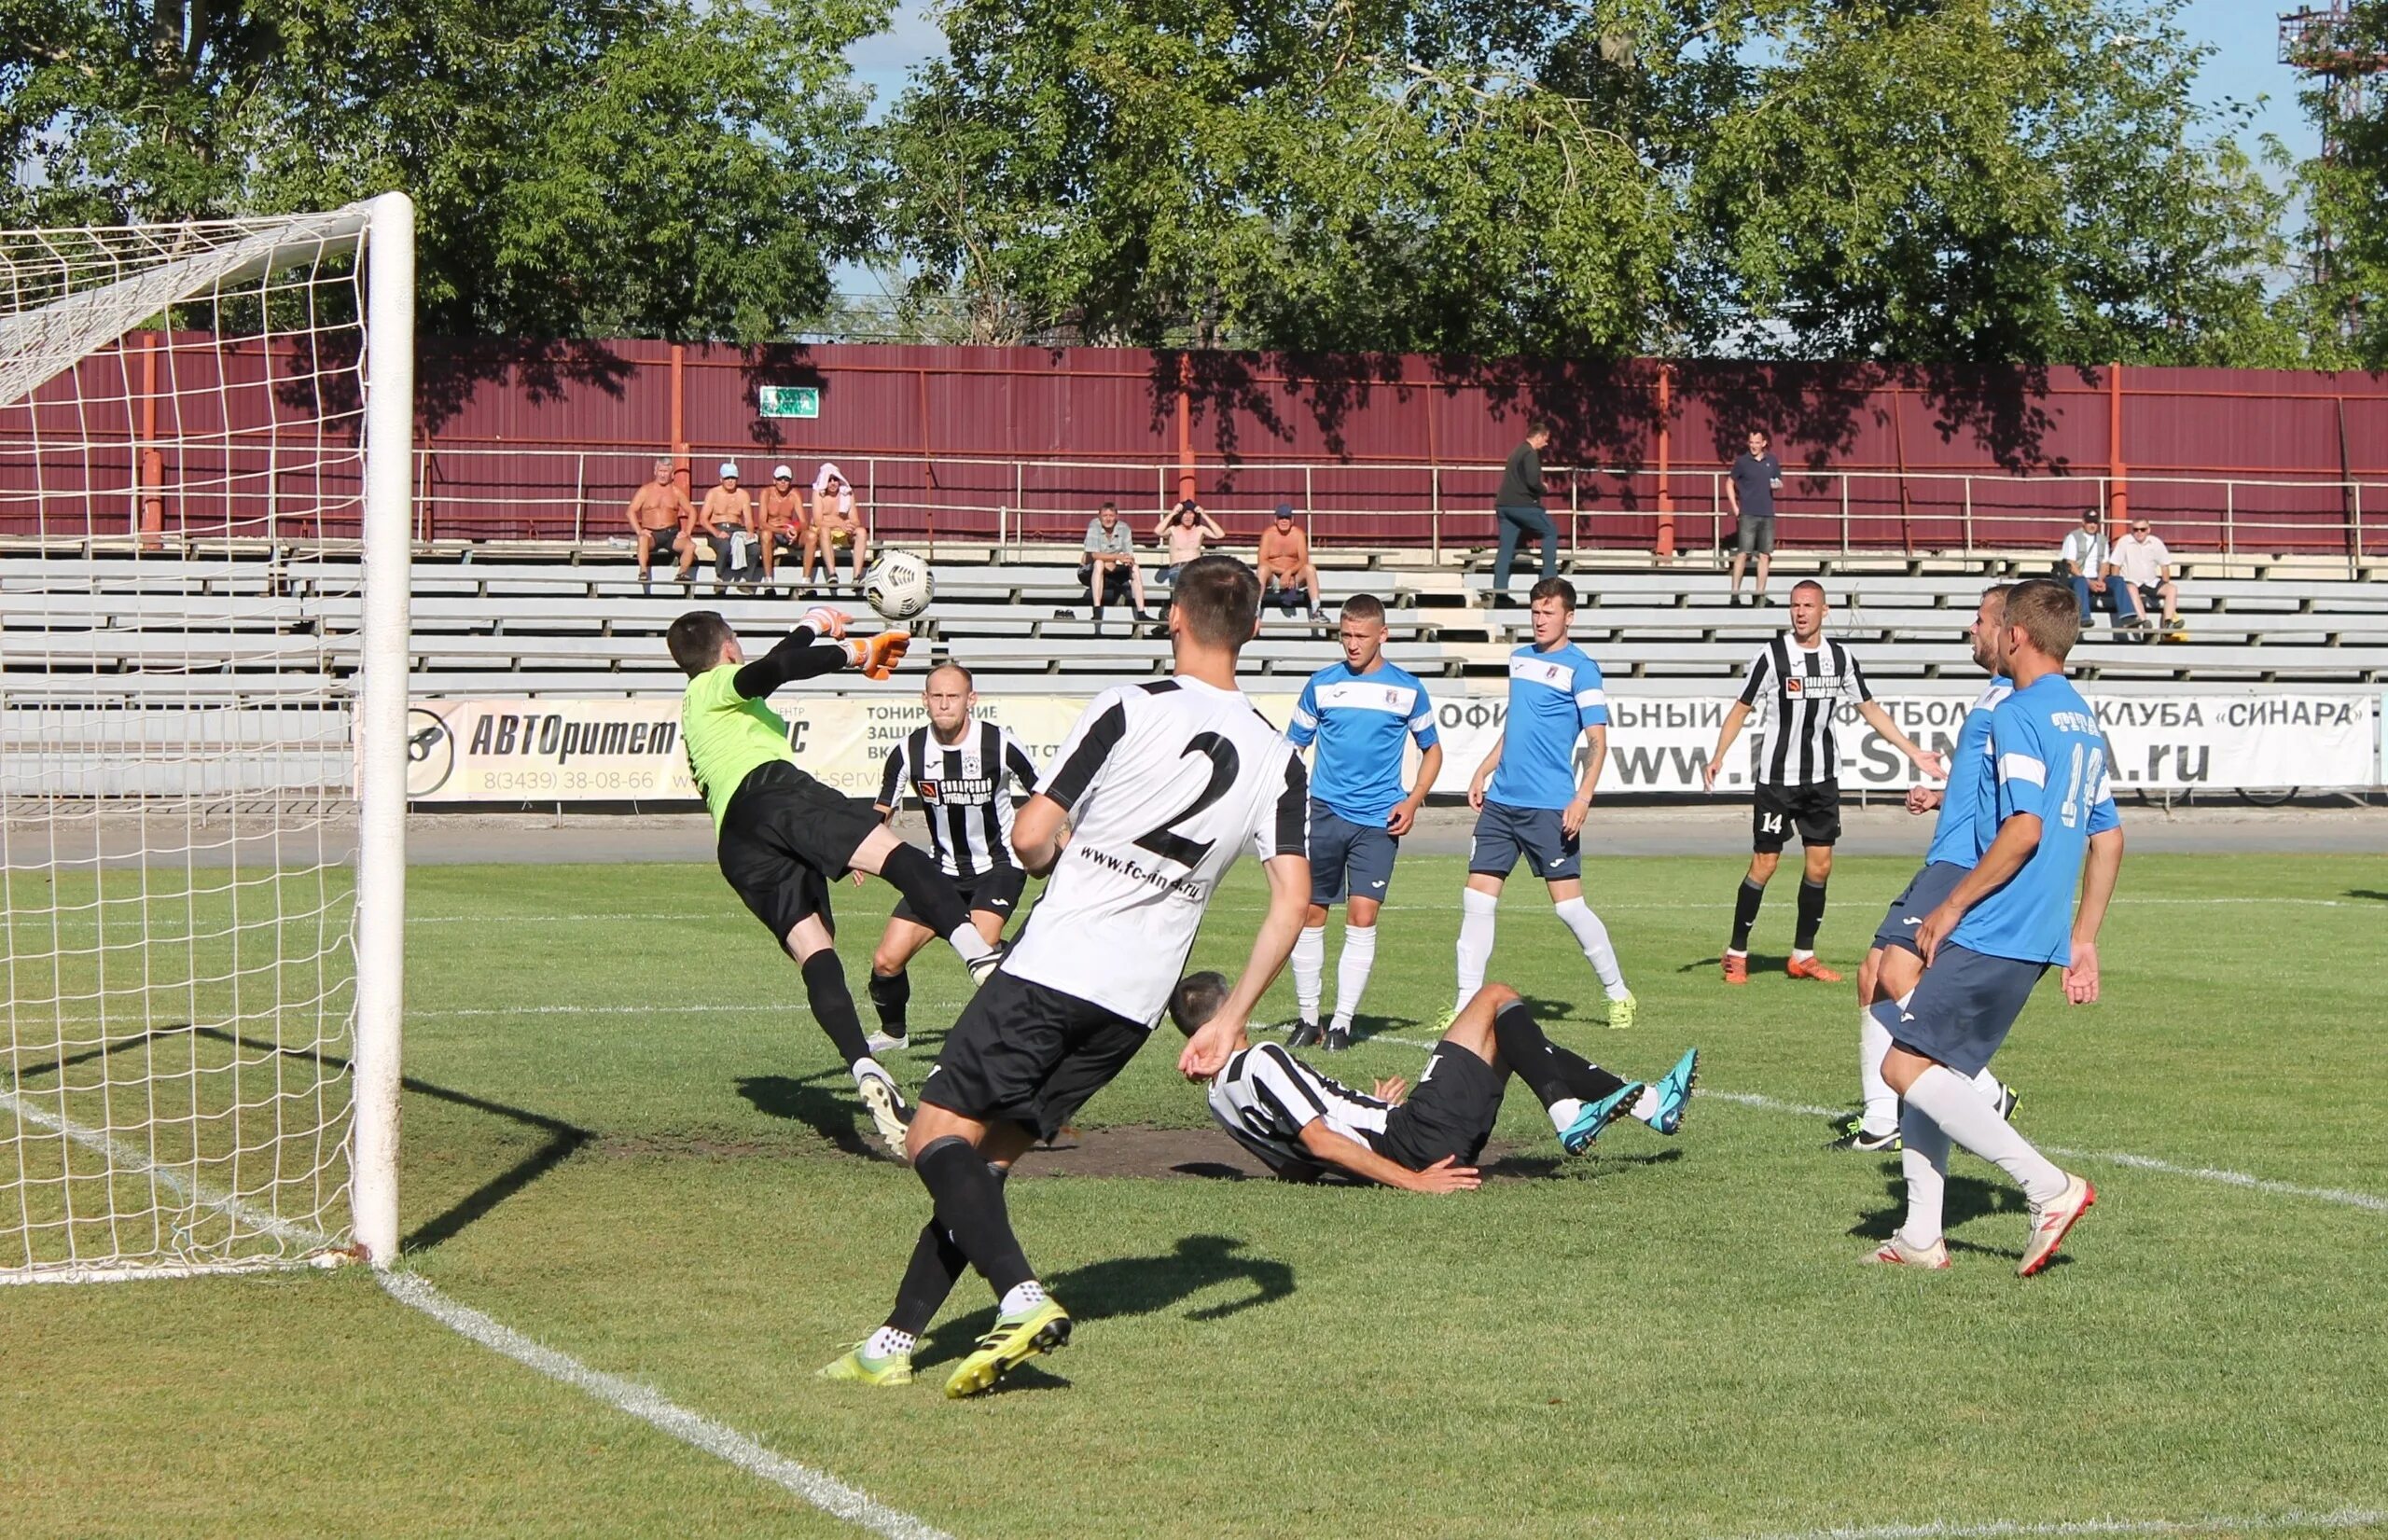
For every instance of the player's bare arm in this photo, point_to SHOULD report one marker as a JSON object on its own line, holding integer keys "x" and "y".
{"x": 1216, "y": 1040}
{"x": 1332, "y": 1148}
{"x": 1483, "y": 776}
{"x": 2017, "y": 838}
{"x": 1571, "y": 819}
{"x": 1039, "y": 832}
{"x": 1735, "y": 716}
{"x": 1405, "y": 813}
{"x": 2103, "y": 865}
{"x": 1921, "y": 758}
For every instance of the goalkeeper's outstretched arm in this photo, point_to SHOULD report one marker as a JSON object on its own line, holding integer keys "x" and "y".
{"x": 798, "y": 655}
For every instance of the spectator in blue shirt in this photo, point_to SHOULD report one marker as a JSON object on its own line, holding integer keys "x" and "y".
{"x": 2000, "y": 928}
{"x": 1532, "y": 802}
{"x": 1362, "y": 713}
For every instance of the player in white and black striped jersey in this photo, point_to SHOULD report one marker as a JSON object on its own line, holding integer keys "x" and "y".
{"x": 1158, "y": 790}
{"x": 1304, "y": 1126}
{"x": 1800, "y": 680}
{"x": 963, "y": 771}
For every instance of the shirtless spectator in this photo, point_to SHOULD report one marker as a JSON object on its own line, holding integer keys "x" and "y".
{"x": 1285, "y": 567}
{"x": 660, "y": 518}
{"x": 1183, "y": 532}
{"x": 836, "y": 526}
{"x": 728, "y": 516}
{"x": 780, "y": 522}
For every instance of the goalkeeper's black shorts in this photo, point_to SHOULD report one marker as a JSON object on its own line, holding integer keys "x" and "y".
{"x": 784, "y": 838}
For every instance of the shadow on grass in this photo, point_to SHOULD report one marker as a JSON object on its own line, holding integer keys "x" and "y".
{"x": 1127, "y": 1286}
{"x": 828, "y": 1110}
{"x": 2373, "y": 893}
{"x": 1965, "y": 1199}
{"x": 562, "y": 1140}
{"x": 1759, "y": 962}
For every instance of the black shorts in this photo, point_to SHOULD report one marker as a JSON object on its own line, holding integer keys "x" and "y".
{"x": 784, "y": 838}
{"x": 996, "y": 890}
{"x": 1026, "y": 1054}
{"x": 1813, "y": 809}
{"x": 1449, "y": 1112}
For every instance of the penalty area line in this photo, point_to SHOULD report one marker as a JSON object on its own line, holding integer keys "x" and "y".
{"x": 2341, "y": 1197}
{"x": 651, "y": 1407}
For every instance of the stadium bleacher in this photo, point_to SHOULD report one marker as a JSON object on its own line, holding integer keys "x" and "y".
{"x": 561, "y": 621}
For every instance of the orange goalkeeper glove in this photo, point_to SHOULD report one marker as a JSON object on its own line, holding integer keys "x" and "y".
{"x": 827, "y": 624}
{"x": 876, "y": 655}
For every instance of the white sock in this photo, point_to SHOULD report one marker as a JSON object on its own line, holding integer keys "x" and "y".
{"x": 1310, "y": 963}
{"x": 1476, "y": 911}
{"x": 969, "y": 944}
{"x": 1882, "y": 1103}
{"x": 1800, "y": 954}
{"x": 887, "y": 1342}
{"x": 1592, "y": 937}
{"x": 1950, "y": 1099}
{"x": 1924, "y": 1158}
{"x": 1022, "y": 1296}
{"x": 1564, "y": 1112}
{"x": 1352, "y": 971}
{"x": 868, "y": 1066}
{"x": 1645, "y": 1106}
{"x": 1994, "y": 1090}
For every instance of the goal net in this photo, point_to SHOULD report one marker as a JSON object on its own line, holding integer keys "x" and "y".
{"x": 204, "y": 486}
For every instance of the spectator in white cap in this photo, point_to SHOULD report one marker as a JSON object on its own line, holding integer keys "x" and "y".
{"x": 727, "y": 516}
{"x": 837, "y": 525}
{"x": 781, "y": 523}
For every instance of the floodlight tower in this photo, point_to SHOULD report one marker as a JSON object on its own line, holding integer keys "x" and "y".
{"x": 2322, "y": 43}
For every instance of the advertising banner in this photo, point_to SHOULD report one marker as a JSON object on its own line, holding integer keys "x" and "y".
{"x": 628, "y": 751}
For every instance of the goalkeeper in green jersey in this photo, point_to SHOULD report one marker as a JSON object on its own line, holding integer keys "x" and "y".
{"x": 783, "y": 836}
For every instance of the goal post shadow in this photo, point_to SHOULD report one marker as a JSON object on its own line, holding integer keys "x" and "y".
{"x": 563, "y": 1140}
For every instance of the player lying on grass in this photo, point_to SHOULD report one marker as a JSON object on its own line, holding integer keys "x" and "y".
{"x": 1305, "y": 1126}
{"x": 1986, "y": 946}
{"x": 783, "y": 836}
{"x": 1896, "y": 962}
{"x": 962, "y": 771}
{"x": 1162, "y": 786}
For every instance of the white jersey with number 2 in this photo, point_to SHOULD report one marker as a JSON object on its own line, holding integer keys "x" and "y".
{"x": 1165, "y": 784}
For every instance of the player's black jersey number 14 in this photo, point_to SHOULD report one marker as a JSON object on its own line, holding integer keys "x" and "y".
{"x": 1165, "y": 842}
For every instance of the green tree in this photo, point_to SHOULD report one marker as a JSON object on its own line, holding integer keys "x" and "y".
{"x": 1991, "y": 181}
{"x": 581, "y": 167}
{"x": 2346, "y": 189}
{"x": 1977, "y": 180}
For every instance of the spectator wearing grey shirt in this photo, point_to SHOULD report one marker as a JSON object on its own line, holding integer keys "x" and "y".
{"x": 1518, "y": 506}
{"x": 1757, "y": 476}
{"x": 1110, "y": 562}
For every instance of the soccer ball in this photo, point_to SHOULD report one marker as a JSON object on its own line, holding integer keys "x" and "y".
{"x": 898, "y": 585}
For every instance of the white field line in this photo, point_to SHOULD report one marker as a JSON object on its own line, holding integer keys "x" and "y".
{"x": 2339, "y": 1518}
{"x": 826, "y": 1493}
{"x": 2370, "y": 1203}
{"x": 1256, "y": 906}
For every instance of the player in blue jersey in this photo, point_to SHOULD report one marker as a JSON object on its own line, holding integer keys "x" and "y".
{"x": 1531, "y": 802}
{"x": 1893, "y": 966}
{"x": 2000, "y": 928}
{"x": 1363, "y": 714}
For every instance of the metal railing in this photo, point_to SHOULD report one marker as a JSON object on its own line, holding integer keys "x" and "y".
{"x": 582, "y": 494}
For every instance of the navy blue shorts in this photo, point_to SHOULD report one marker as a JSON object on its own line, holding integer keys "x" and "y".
{"x": 1926, "y": 891}
{"x": 1347, "y": 858}
{"x": 1963, "y": 1009}
{"x": 1504, "y": 833}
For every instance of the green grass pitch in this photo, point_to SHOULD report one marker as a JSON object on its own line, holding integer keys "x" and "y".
{"x": 623, "y": 1138}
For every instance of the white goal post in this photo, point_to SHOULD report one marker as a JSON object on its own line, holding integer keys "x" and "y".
{"x": 206, "y": 487}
